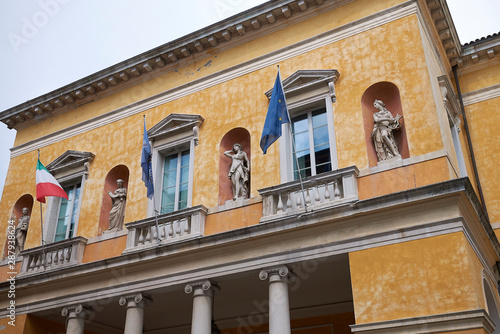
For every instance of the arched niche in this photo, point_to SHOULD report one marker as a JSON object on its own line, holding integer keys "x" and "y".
{"x": 492, "y": 305}
{"x": 25, "y": 201}
{"x": 389, "y": 94}
{"x": 236, "y": 135}
{"x": 118, "y": 172}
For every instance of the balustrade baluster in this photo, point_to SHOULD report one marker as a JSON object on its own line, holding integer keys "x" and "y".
{"x": 38, "y": 261}
{"x": 141, "y": 236}
{"x": 171, "y": 229}
{"x": 327, "y": 192}
{"x": 336, "y": 191}
{"x": 317, "y": 198}
{"x": 162, "y": 231}
{"x": 68, "y": 256}
{"x": 280, "y": 204}
{"x": 298, "y": 199}
{"x": 289, "y": 202}
{"x": 177, "y": 227}
{"x": 186, "y": 225}
{"x": 147, "y": 240}
{"x": 308, "y": 198}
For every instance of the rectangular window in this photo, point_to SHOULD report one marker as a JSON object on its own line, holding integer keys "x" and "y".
{"x": 310, "y": 134}
{"x": 174, "y": 195}
{"x": 68, "y": 213}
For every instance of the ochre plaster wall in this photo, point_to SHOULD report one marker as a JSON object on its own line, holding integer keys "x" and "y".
{"x": 104, "y": 249}
{"x": 233, "y": 219}
{"x": 479, "y": 78}
{"x": 403, "y": 178}
{"x": 416, "y": 278}
{"x": 20, "y": 322}
{"x": 485, "y": 136}
{"x": 364, "y": 59}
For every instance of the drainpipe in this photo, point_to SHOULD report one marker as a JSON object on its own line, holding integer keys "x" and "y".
{"x": 471, "y": 150}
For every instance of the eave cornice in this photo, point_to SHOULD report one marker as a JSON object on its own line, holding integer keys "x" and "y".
{"x": 235, "y": 30}
{"x": 455, "y": 52}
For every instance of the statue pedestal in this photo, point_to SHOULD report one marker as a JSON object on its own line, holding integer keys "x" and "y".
{"x": 393, "y": 162}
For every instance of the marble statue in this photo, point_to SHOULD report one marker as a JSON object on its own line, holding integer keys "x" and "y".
{"x": 239, "y": 172}
{"x": 22, "y": 230}
{"x": 117, "y": 213}
{"x": 383, "y": 139}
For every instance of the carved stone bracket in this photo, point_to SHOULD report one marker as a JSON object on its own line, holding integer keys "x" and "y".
{"x": 136, "y": 300}
{"x": 204, "y": 287}
{"x": 282, "y": 273}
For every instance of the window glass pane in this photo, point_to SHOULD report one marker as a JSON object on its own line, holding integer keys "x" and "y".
{"x": 319, "y": 117}
{"x": 64, "y": 216}
{"x": 171, "y": 162}
{"x": 320, "y": 135}
{"x": 301, "y": 141}
{"x": 74, "y": 213}
{"x": 299, "y": 124}
{"x": 185, "y": 159}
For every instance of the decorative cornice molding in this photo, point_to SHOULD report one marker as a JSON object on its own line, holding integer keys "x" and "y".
{"x": 457, "y": 321}
{"x": 308, "y": 79}
{"x": 70, "y": 160}
{"x": 481, "y": 95}
{"x": 334, "y": 35}
{"x": 260, "y": 20}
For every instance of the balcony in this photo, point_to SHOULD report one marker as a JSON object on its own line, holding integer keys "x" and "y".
{"x": 60, "y": 254}
{"x": 172, "y": 227}
{"x": 322, "y": 191}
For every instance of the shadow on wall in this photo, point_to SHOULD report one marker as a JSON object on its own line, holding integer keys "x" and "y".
{"x": 118, "y": 172}
{"x": 389, "y": 94}
{"x": 236, "y": 135}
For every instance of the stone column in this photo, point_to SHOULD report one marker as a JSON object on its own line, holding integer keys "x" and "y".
{"x": 279, "y": 309}
{"x": 77, "y": 314}
{"x": 135, "y": 312}
{"x": 202, "y": 305}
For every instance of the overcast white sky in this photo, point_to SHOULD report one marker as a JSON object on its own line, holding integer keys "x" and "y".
{"x": 46, "y": 44}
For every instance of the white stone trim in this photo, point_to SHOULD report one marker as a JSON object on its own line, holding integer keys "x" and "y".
{"x": 329, "y": 37}
{"x": 481, "y": 95}
{"x": 456, "y": 321}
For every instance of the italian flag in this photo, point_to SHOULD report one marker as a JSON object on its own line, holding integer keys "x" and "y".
{"x": 46, "y": 184}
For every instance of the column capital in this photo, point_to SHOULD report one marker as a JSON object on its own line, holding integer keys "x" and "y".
{"x": 282, "y": 273}
{"x": 77, "y": 311}
{"x": 139, "y": 299}
{"x": 205, "y": 286}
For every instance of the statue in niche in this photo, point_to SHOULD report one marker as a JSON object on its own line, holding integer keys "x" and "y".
{"x": 117, "y": 213}
{"x": 239, "y": 172}
{"x": 22, "y": 230}
{"x": 383, "y": 139}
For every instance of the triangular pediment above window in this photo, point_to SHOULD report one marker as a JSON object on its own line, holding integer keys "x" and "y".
{"x": 304, "y": 80}
{"x": 174, "y": 124}
{"x": 70, "y": 160}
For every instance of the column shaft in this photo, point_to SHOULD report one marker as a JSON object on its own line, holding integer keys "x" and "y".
{"x": 279, "y": 309}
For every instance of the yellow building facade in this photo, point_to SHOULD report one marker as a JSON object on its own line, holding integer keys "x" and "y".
{"x": 366, "y": 244}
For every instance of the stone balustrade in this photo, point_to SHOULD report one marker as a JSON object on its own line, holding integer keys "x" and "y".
{"x": 172, "y": 227}
{"x": 320, "y": 192}
{"x": 59, "y": 254}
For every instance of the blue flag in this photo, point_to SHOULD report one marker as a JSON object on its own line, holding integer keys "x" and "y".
{"x": 277, "y": 114}
{"x": 147, "y": 170}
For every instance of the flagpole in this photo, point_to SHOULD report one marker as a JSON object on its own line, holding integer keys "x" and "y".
{"x": 41, "y": 226}
{"x": 294, "y": 150}
{"x": 150, "y": 177}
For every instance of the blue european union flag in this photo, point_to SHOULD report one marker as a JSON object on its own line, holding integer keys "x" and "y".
{"x": 277, "y": 114}
{"x": 147, "y": 170}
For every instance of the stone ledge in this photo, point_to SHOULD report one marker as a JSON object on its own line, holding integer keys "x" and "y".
{"x": 457, "y": 321}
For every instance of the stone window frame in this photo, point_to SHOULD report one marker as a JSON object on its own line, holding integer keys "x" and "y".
{"x": 174, "y": 134}
{"x": 307, "y": 90}
{"x": 70, "y": 168}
